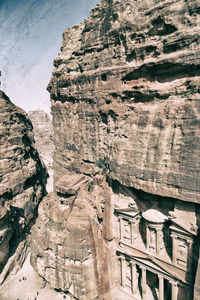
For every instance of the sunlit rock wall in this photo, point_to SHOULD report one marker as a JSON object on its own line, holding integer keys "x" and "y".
{"x": 125, "y": 104}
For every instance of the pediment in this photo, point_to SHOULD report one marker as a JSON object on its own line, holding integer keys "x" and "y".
{"x": 149, "y": 264}
{"x": 182, "y": 228}
{"x": 127, "y": 212}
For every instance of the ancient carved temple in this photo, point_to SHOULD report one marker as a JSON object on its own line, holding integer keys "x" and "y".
{"x": 156, "y": 255}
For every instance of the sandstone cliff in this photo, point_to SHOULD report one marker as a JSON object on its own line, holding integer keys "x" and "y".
{"x": 126, "y": 114}
{"x": 43, "y": 136}
{"x": 22, "y": 179}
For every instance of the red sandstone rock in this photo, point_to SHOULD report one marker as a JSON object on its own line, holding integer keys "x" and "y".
{"x": 125, "y": 104}
{"x": 22, "y": 177}
{"x": 43, "y": 136}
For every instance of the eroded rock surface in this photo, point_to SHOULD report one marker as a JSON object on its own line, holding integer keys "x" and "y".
{"x": 43, "y": 136}
{"x": 126, "y": 114}
{"x": 22, "y": 178}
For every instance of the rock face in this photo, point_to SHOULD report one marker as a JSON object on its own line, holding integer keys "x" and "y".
{"x": 22, "y": 177}
{"x": 43, "y": 136}
{"x": 126, "y": 114}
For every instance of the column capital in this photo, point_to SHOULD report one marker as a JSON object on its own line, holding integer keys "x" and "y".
{"x": 189, "y": 241}
{"x": 122, "y": 258}
{"x": 156, "y": 226}
{"x": 173, "y": 236}
{"x": 132, "y": 263}
{"x": 174, "y": 283}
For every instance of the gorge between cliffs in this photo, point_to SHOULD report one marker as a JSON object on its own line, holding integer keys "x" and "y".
{"x": 121, "y": 221}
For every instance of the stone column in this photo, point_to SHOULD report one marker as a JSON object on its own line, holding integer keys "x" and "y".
{"x": 189, "y": 258}
{"x": 132, "y": 232}
{"x": 159, "y": 239}
{"x": 123, "y": 270}
{"x": 161, "y": 287}
{"x": 147, "y": 237}
{"x": 174, "y": 249}
{"x": 144, "y": 289}
{"x": 134, "y": 278}
{"x": 135, "y": 226}
{"x": 174, "y": 290}
{"x": 120, "y": 229}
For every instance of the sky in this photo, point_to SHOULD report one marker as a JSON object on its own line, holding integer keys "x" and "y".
{"x": 30, "y": 38}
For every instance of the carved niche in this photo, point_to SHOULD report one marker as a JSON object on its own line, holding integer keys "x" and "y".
{"x": 129, "y": 221}
{"x": 182, "y": 244}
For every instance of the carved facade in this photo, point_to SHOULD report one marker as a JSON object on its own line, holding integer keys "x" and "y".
{"x": 156, "y": 255}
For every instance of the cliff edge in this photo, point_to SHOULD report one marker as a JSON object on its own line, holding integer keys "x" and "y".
{"x": 126, "y": 115}
{"x": 22, "y": 182}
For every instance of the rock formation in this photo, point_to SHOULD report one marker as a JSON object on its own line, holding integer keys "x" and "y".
{"x": 122, "y": 220}
{"x": 43, "y": 136}
{"x": 22, "y": 180}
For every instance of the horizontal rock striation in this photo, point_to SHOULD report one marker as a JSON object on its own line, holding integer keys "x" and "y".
{"x": 126, "y": 114}
{"x": 127, "y": 85}
{"x": 22, "y": 176}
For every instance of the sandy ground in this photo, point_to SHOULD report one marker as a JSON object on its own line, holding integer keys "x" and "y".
{"x": 26, "y": 284}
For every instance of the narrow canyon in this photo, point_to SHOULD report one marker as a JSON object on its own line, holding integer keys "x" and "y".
{"x": 121, "y": 219}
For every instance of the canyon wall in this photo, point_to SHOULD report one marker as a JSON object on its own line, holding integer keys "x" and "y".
{"x": 43, "y": 136}
{"x": 22, "y": 181}
{"x": 126, "y": 114}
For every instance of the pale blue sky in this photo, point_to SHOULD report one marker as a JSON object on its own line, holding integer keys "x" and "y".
{"x": 30, "y": 37}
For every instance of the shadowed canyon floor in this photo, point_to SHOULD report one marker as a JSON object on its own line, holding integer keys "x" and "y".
{"x": 26, "y": 284}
